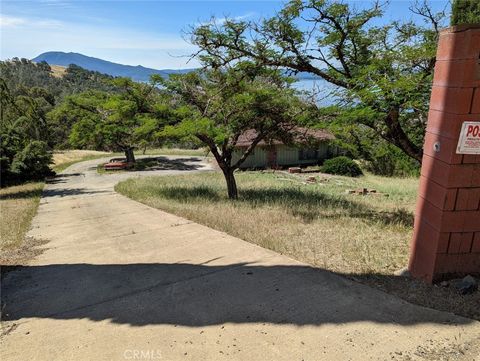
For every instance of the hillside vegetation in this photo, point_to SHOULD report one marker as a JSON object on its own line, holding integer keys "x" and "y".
{"x": 137, "y": 73}
{"x": 32, "y": 123}
{"x": 58, "y": 71}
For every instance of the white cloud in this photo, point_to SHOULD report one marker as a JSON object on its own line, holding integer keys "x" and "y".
{"x": 7, "y": 21}
{"x": 28, "y": 37}
{"x": 10, "y": 21}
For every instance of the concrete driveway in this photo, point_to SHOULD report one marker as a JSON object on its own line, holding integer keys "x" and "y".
{"x": 121, "y": 281}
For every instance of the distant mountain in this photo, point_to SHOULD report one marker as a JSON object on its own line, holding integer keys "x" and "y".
{"x": 138, "y": 73}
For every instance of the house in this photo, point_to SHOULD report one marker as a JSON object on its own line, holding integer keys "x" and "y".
{"x": 306, "y": 147}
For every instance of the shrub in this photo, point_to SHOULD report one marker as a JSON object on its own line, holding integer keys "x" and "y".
{"x": 388, "y": 160}
{"x": 376, "y": 155}
{"x": 342, "y": 166}
{"x": 465, "y": 12}
{"x": 32, "y": 162}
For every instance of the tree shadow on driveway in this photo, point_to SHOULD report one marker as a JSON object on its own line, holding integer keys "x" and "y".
{"x": 61, "y": 178}
{"x": 162, "y": 163}
{"x": 64, "y": 192}
{"x": 202, "y": 294}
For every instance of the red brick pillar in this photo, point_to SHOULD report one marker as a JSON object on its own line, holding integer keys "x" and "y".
{"x": 446, "y": 238}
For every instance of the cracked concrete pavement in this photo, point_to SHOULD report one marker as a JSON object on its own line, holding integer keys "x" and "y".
{"x": 119, "y": 280}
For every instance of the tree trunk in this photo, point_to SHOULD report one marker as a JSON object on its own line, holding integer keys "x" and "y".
{"x": 224, "y": 162}
{"x": 231, "y": 183}
{"x": 410, "y": 149}
{"x": 399, "y": 138}
{"x": 129, "y": 155}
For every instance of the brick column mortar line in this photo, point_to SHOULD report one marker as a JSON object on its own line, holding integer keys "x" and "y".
{"x": 471, "y": 243}
{"x": 449, "y": 238}
{"x": 450, "y": 113}
{"x": 472, "y": 100}
{"x": 431, "y": 179}
{"x": 446, "y": 235}
{"x": 455, "y": 204}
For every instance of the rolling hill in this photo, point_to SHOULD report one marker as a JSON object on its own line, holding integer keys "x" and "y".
{"x": 138, "y": 73}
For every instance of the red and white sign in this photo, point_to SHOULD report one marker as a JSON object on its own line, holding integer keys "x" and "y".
{"x": 469, "y": 140}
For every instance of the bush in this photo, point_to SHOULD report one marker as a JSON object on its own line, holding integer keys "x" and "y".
{"x": 32, "y": 162}
{"x": 342, "y": 166}
{"x": 465, "y": 12}
{"x": 376, "y": 155}
{"x": 387, "y": 160}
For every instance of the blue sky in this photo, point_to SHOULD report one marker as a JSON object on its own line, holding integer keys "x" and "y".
{"x": 148, "y": 33}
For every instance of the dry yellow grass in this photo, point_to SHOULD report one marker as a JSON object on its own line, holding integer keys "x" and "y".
{"x": 64, "y": 159}
{"x": 318, "y": 223}
{"x": 58, "y": 71}
{"x": 18, "y": 205}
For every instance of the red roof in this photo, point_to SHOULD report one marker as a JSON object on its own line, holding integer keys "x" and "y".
{"x": 299, "y": 135}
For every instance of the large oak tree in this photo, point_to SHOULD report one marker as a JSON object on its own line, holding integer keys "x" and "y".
{"x": 383, "y": 73}
{"x": 118, "y": 121}
{"x": 216, "y": 106}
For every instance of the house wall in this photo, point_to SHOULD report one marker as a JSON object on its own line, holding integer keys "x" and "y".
{"x": 286, "y": 156}
{"x": 256, "y": 159}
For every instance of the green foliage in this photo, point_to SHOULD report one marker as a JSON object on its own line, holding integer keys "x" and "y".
{"x": 20, "y": 74}
{"x": 33, "y": 161}
{"x": 82, "y": 108}
{"x": 77, "y": 80}
{"x": 387, "y": 160}
{"x": 35, "y": 115}
{"x": 382, "y": 72}
{"x": 342, "y": 166}
{"x": 465, "y": 12}
{"x": 35, "y": 93}
{"x": 215, "y": 107}
{"x": 25, "y": 138}
{"x": 118, "y": 121}
{"x": 74, "y": 109}
{"x": 378, "y": 156}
